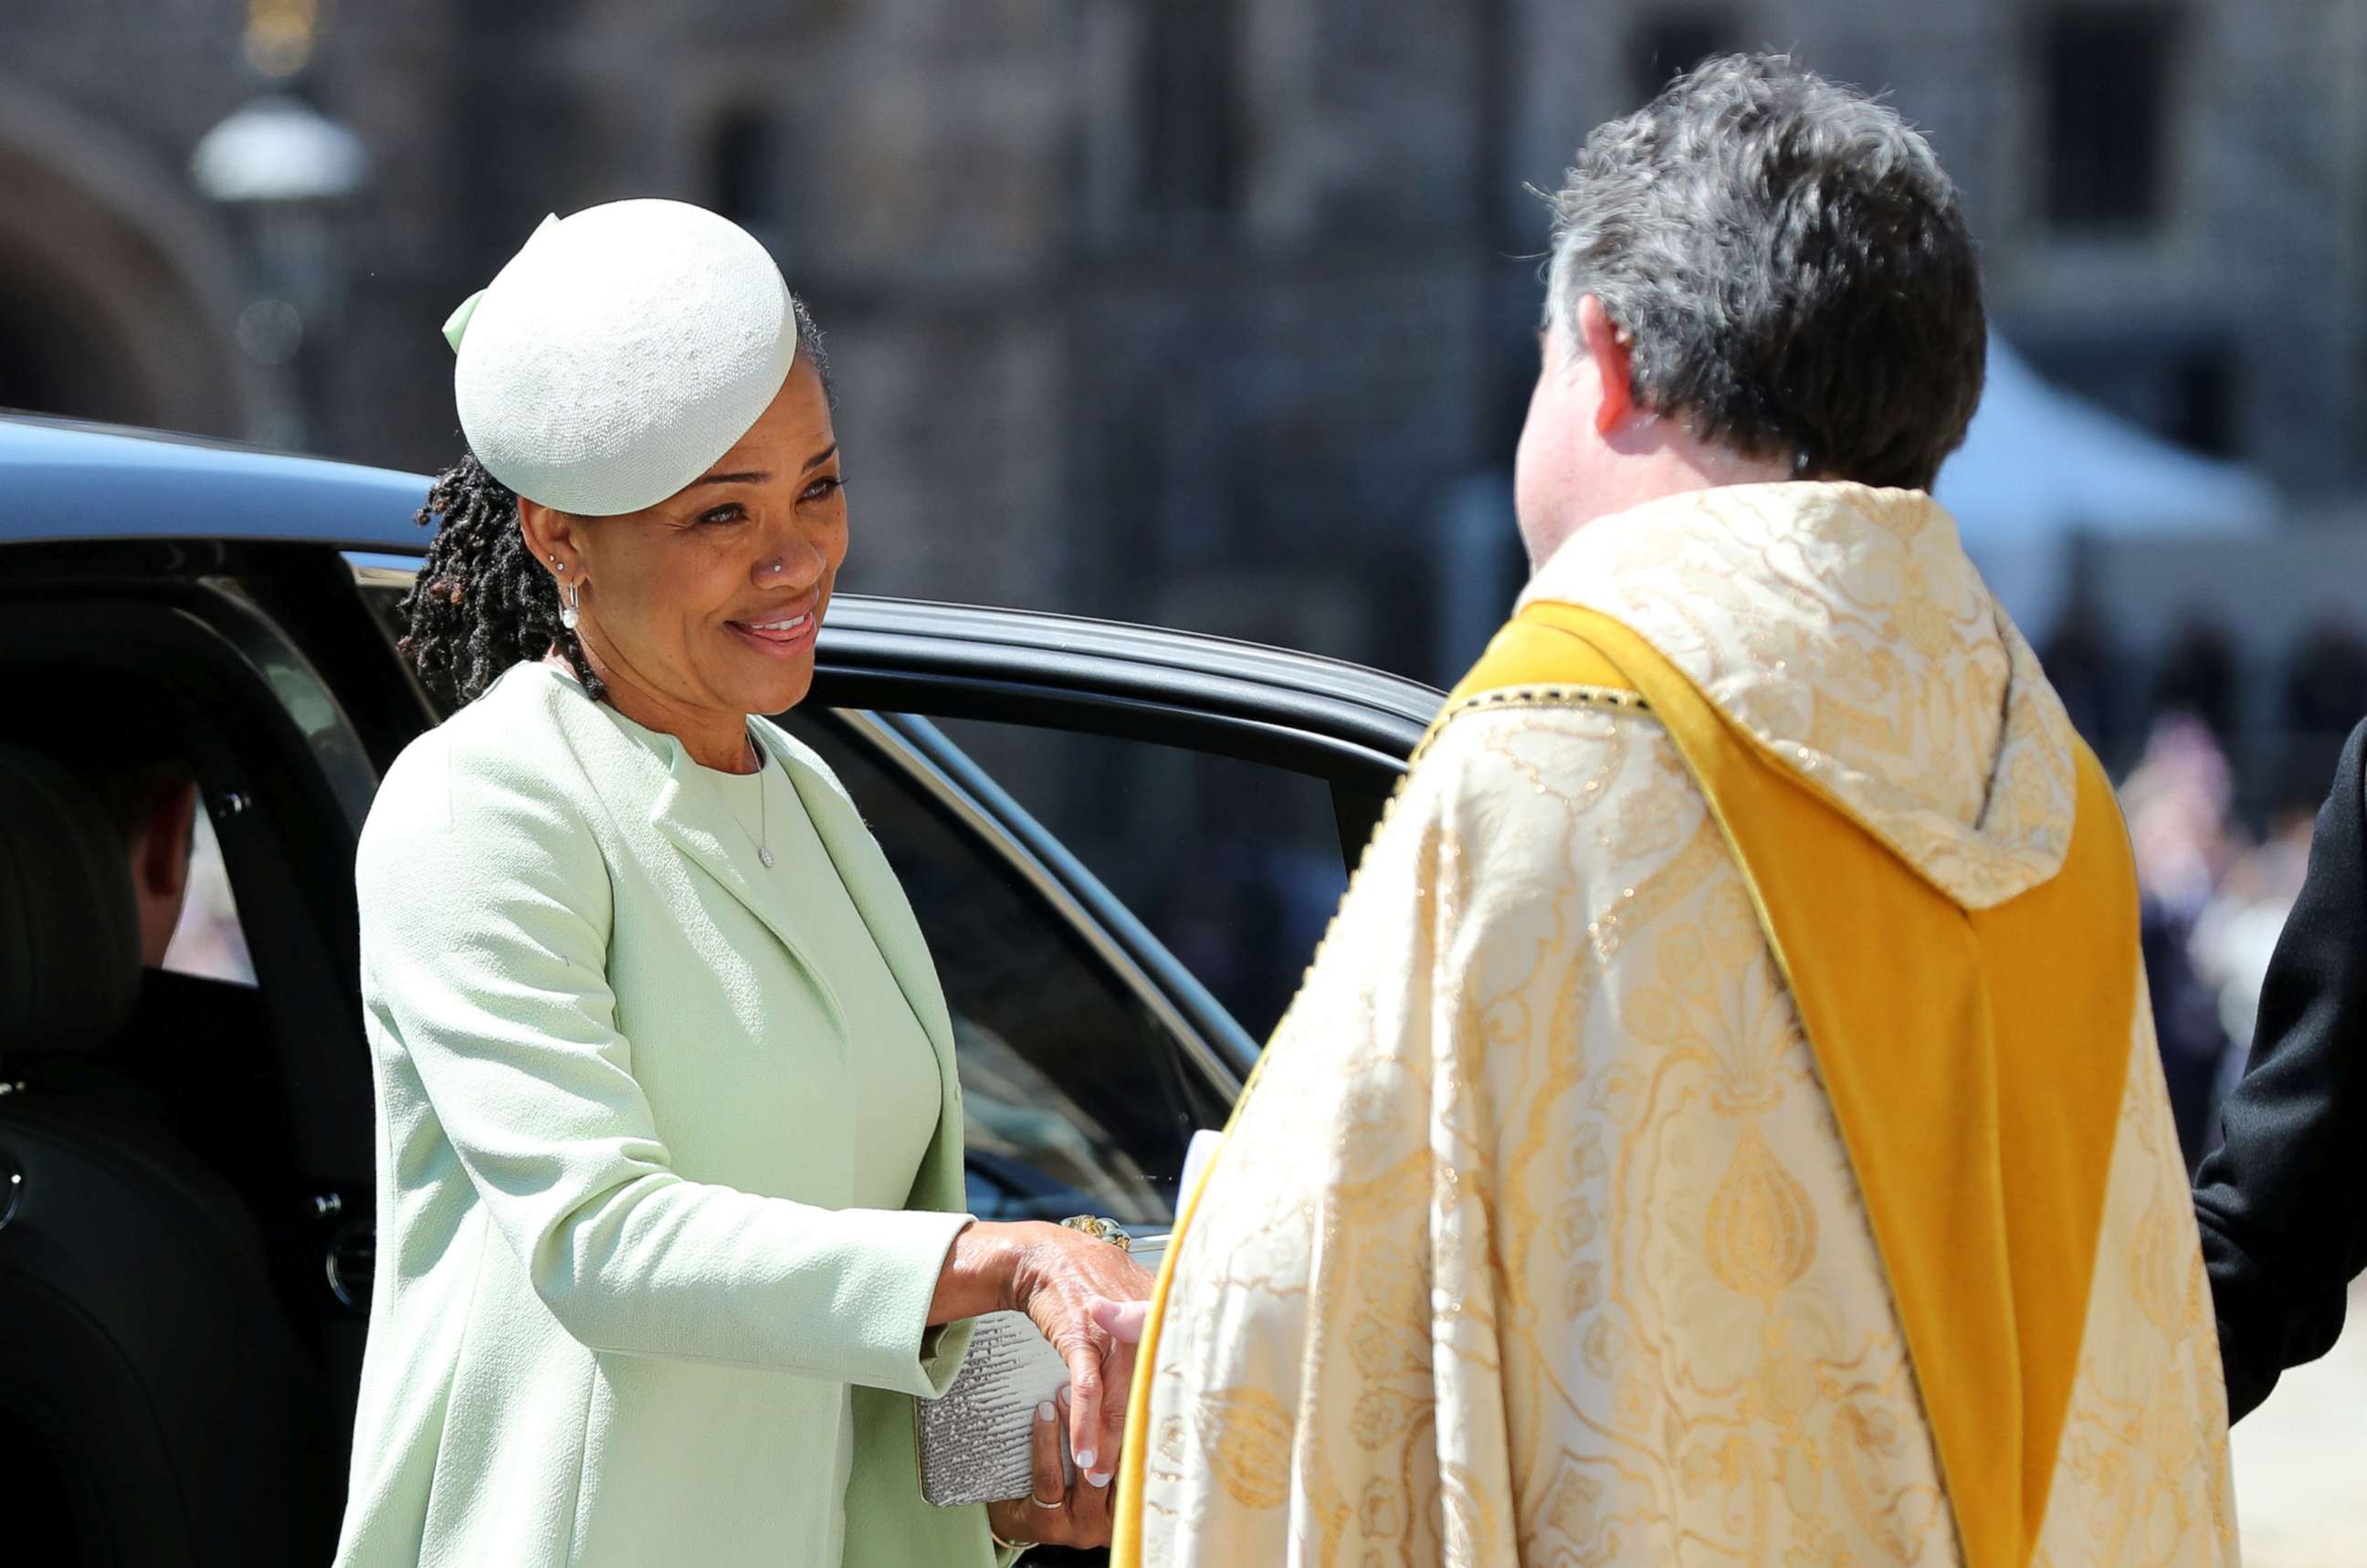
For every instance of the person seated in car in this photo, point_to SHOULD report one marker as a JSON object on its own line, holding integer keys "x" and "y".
{"x": 193, "y": 1056}
{"x": 139, "y": 774}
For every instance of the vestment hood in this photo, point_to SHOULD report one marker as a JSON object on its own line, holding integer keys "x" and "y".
{"x": 1844, "y": 627}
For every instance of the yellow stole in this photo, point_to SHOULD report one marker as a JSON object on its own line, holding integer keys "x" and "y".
{"x": 1974, "y": 1060}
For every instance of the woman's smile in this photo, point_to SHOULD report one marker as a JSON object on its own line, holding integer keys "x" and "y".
{"x": 780, "y": 635}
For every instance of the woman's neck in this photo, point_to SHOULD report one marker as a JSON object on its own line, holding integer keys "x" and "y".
{"x": 719, "y": 740}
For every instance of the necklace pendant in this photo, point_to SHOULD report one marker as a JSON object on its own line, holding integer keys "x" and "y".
{"x": 766, "y": 856}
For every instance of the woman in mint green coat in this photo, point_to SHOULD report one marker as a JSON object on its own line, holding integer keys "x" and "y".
{"x": 670, "y": 1148}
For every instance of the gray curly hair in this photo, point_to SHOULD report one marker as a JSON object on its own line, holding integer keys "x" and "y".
{"x": 1792, "y": 266}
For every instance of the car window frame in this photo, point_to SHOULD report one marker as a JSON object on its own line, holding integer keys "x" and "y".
{"x": 1351, "y": 728}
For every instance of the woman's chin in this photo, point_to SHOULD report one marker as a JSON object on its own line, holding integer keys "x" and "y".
{"x": 777, "y": 690}
{"x": 770, "y": 673}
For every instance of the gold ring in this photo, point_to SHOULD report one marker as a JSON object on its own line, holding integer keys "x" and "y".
{"x": 1109, "y": 1231}
{"x": 1054, "y": 1505}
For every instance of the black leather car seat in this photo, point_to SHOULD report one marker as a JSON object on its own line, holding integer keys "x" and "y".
{"x": 153, "y": 1400}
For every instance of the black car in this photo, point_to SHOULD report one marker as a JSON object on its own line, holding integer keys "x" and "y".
{"x": 186, "y": 1159}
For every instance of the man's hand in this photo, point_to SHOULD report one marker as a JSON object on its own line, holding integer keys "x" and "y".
{"x": 1122, "y": 1321}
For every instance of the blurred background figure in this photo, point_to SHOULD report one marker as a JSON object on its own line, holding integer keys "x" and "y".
{"x": 2086, "y": 668}
{"x": 2232, "y": 936}
{"x": 2176, "y": 802}
{"x": 2197, "y": 677}
{"x": 2325, "y": 692}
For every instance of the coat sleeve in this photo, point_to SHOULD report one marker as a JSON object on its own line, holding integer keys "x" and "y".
{"x": 485, "y": 915}
{"x": 2283, "y": 1227}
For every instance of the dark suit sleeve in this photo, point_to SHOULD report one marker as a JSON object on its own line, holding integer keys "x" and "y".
{"x": 2282, "y": 1203}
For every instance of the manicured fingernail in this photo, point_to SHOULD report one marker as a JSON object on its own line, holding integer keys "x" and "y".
{"x": 1084, "y": 1458}
{"x": 1064, "y": 1396}
{"x": 1044, "y": 1412}
{"x": 1098, "y": 1477}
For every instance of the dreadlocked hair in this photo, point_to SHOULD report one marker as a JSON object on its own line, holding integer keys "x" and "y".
{"x": 481, "y": 602}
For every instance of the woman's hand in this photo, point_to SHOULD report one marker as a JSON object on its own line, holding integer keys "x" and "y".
{"x": 1060, "y": 1277}
{"x": 1058, "y": 1511}
{"x": 1054, "y": 1275}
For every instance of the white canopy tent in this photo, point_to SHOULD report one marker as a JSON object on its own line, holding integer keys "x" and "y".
{"x": 2041, "y": 466}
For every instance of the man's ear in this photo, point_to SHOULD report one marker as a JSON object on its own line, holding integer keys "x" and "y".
{"x": 165, "y": 848}
{"x": 1606, "y": 348}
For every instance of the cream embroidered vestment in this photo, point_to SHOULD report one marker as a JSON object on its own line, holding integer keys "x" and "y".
{"x": 1537, "y": 1239}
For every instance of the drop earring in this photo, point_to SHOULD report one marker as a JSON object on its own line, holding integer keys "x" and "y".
{"x": 567, "y": 611}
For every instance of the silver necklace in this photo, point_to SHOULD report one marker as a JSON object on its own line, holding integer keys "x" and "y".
{"x": 763, "y": 836}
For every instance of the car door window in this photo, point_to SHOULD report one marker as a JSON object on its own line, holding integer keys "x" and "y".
{"x": 1080, "y": 1094}
{"x": 1236, "y": 866}
{"x": 208, "y": 940}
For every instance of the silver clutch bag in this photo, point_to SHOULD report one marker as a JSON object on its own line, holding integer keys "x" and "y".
{"x": 977, "y": 1439}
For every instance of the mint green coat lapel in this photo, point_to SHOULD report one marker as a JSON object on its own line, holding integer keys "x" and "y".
{"x": 879, "y": 899}
{"x": 871, "y": 884}
{"x": 690, "y": 813}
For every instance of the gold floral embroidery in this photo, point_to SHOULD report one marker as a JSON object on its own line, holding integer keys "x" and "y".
{"x": 1761, "y": 1232}
{"x": 1246, "y": 1433}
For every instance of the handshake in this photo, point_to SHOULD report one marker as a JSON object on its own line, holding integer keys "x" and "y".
{"x": 1039, "y": 1403}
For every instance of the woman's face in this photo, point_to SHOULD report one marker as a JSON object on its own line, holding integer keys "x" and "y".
{"x": 709, "y": 602}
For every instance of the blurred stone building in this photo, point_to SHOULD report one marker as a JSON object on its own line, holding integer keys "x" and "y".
{"x": 1194, "y": 311}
